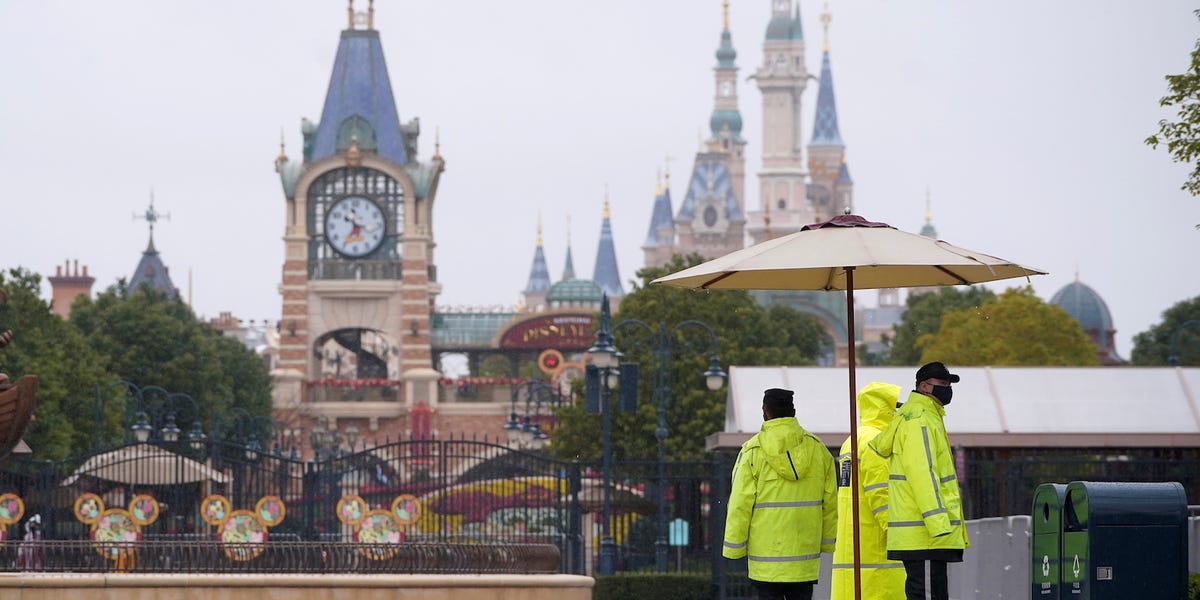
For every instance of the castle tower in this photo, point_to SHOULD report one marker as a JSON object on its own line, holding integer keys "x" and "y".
{"x": 359, "y": 277}
{"x": 660, "y": 240}
{"x": 539, "y": 277}
{"x": 66, "y": 285}
{"x": 781, "y": 80}
{"x": 830, "y": 188}
{"x": 711, "y": 219}
{"x": 606, "y": 273}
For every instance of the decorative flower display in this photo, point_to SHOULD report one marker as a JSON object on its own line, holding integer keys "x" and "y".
{"x": 11, "y": 510}
{"x": 214, "y": 508}
{"x": 115, "y": 530}
{"x": 270, "y": 510}
{"x": 355, "y": 383}
{"x": 242, "y": 534}
{"x": 378, "y": 530}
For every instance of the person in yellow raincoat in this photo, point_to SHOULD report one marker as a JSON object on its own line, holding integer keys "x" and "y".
{"x": 782, "y": 511}
{"x": 925, "y": 515}
{"x": 882, "y": 579}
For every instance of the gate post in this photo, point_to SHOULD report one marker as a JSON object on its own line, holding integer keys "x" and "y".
{"x": 720, "y": 498}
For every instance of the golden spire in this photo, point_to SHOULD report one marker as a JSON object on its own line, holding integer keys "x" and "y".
{"x": 658, "y": 183}
{"x": 667, "y": 171}
{"x": 606, "y": 213}
{"x": 825, "y": 19}
{"x": 437, "y": 142}
{"x": 282, "y": 158}
{"x": 928, "y": 212}
{"x": 725, "y": 14}
{"x": 539, "y": 237}
{"x": 350, "y": 14}
{"x": 370, "y": 14}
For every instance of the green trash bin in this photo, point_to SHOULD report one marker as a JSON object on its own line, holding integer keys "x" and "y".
{"x": 1123, "y": 541}
{"x": 1046, "y": 542}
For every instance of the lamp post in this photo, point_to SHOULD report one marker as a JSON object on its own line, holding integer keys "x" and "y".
{"x": 152, "y": 414}
{"x": 665, "y": 342}
{"x": 527, "y": 432}
{"x": 602, "y": 375}
{"x": 1172, "y": 357}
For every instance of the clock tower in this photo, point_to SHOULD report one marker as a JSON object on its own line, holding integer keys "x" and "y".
{"x": 711, "y": 220}
{"x": 359, "y": 280}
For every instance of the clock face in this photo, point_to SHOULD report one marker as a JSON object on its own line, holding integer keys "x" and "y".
{"x": 355, "y": 226}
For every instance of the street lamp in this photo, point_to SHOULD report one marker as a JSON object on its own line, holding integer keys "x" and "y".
{"x": 602, "y": 374}
{"x": 526, "y": 432}
{"x": 665, "y": 342}
{"x": 1172, "y": 357}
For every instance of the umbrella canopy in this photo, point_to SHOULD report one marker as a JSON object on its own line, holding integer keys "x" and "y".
{"x": 144, "y": 464}
{"x": 818, "y": 257}
{"x": 847, "y": 252}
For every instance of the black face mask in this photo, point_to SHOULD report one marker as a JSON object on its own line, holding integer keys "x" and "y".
{"x": 943, "y": 393}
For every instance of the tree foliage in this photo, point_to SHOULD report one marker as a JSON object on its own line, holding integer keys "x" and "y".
{"x": 1182, "y": 137}
{"x": 1015, "y": 329}
{"x": 747, "y": 334}
{"x": 1153, "y": 347}
{"x": 923, "y": 316}
{"x": 67, "y": 367}
{"x": 147, "y": 338}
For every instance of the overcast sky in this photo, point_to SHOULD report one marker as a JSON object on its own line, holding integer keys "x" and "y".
{"x": 1024, "y": 118}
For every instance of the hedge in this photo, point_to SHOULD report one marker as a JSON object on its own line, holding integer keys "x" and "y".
{"x": 659, "y": 586}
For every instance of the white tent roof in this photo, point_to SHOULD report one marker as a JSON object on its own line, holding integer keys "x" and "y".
{"x": 993, "y": 406}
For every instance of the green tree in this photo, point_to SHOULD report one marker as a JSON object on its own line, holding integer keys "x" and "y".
{"x": 1182, "y": 137}
{"x": 747, "y": 334}
{"x": 1015, "y": 329}
{"x": 148, "y": 338}
{"x": 923, "y": 316}
{"x": 67, "y": 367}
{"x": 1153, "y": 346}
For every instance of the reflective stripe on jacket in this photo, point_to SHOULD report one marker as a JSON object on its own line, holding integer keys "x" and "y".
{"x": 782, "y": 511}
{"x": 882, "y": 579}
{"x": 924, "y": 506}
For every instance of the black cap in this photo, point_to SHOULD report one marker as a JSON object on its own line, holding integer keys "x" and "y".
{"x": 935, "y": 370}
{"x": 776, "y": 399}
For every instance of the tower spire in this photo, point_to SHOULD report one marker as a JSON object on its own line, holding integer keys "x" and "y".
{"x": 569, "y": 264}
{"x": 606, "y": 274}
{"x": 825, "y": 19}
{"x": 725, "y": 15}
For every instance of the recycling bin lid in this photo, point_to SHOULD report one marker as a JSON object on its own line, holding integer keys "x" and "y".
{"x": 1092, "y": 503}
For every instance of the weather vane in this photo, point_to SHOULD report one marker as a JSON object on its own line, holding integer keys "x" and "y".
{"x": 151, "y": 215}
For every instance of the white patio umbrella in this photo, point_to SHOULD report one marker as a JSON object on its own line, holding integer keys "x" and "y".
{"x": 144, "y": 464}
{"x": 847, "y": 253}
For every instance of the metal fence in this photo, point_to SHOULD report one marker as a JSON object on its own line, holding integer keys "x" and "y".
{"x": 457, "y": 505}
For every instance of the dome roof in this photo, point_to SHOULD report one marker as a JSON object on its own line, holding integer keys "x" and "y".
{"x": 574, "y": 292}
{"x": 1085, "y": 306}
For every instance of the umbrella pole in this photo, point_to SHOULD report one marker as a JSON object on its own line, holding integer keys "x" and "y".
{"x": 853, "y": 432}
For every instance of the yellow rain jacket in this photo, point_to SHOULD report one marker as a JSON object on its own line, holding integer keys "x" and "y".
{"x": 924, "y": 506}
{"x": 882, "y": 579}
{"x": 782, "y": 511}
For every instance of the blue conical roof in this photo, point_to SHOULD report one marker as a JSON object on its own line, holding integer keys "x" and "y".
{"x": 539, "y": 274}
{"x": 825, "y": 125}
{"x": 661, "y": 218}
{"x": 359, "y": 105}
{"x": 606, "y": 273}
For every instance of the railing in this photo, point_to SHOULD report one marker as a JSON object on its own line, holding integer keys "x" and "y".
{"x": 291, "y": 557}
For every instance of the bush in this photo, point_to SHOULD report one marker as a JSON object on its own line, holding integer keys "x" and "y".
{"x": 659, "y": 586}
{"x": 1193, "y": 586}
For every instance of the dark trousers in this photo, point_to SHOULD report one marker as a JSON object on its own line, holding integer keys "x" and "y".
{"x": 792, "y": 590}
{"x": 916, "y": 584}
